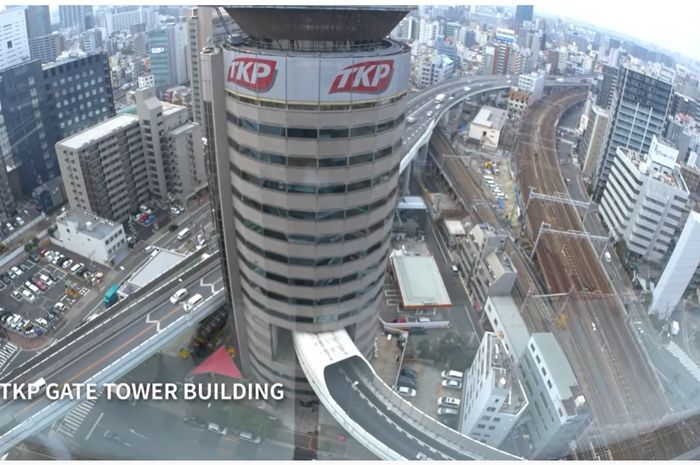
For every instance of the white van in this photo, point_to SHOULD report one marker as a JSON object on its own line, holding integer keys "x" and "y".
{"x": 488, "y": 178}
{"x": 31, "y": 287}
{"x": 183, "y": 234}
{"x": 192, "y": 302}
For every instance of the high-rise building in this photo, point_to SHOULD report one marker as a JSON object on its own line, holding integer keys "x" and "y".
{"x": 167, "y": 50}
{"x": 607, "y": 86}
{"x": 428, "y": 31}
{"x": 41, "y": 105}
{"x": 124, "y": 18}
{"x": 43, "y": 45}
{"x": 639, "y": 111}
{"x": 523, "y": 13}
{"x": 304, "y": 245}
{"x": 109, "y": 171}
{"x": 644, "y": 199}
{"x": 77, "y": 17}
{"x": 173, "y": 148}
{"x": 203, "y": 28}
{"x": 494, "y": 398}
{"x": 38, "y": 19}
{"x": 47, "y": 48}
{"x": 593, "y": 140}
{"x": 679, "y": 270}
{"x": 503, "y": 45}
{"x": 14, "y": 41}
{"x": 104, "y": 168}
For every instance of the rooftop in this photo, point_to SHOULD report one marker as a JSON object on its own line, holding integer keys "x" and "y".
{"x": 454, "y": 227}
{"x": 557, "y": 365}
{"x": 88, "y": 224}
{"x": 491, "y": 117}
{"x": 645, "y": 165}
{"x": 420, "y": 282}
{"x": 156, "y": 265}
{"x": 99, "y": 131}
{"x": 505, "y": 376}
{"x": 514, "y": 326}
{"x": 411, "y": 203}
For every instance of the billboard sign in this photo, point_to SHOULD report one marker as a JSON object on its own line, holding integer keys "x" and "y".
{"x": 316, "y": 79}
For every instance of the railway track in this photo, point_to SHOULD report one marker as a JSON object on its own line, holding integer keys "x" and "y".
{"x": 622, "y": 392}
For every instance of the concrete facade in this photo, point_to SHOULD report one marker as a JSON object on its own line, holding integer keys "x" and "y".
{"x": 97, "y": 239}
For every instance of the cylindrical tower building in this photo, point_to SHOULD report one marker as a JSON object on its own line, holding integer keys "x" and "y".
{"x": 304, "y": 124}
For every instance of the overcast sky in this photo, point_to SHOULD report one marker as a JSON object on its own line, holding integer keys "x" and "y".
{"x": 672, "y": 24}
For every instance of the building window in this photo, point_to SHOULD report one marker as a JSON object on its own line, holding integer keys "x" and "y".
{"x": 490, "y": 409}
{"x": 549, "y": 384}
{"x": 544, "y": 372}
{"x": 9, "y": 44}
{"x": 480, "y": 426}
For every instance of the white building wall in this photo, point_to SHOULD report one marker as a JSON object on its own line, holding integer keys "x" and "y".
{"x": 679, "y": 269}
{"x": 72, "y": 236}
{"x": 14, "y": 43}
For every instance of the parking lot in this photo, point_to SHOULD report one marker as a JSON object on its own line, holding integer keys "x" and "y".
{"x": 38, "y": 290}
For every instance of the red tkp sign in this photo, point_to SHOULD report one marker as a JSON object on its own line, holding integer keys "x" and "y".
{"x": 367, "y": 77}
{"x": 253, "y": 73}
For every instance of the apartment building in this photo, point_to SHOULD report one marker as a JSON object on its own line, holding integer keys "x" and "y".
{"x": 645, "y": 199}
{"x": 97, "y": 239}
{"x": 494, "y": 398}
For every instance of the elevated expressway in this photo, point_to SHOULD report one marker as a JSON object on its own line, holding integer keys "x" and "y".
{"x": 117, "y": 341}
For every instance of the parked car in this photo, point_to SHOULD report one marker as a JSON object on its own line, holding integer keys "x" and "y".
{"x": 173, "y": 227}
{"x": 443, "y": 411}
{"x": 174, "y": 211}
{"x": 60, "y": 306}
{"x": 192, "y": 421}
{"x": 406, "y": 381}
{"x": 406, "y": 391}
{"x": 448, "y": 402}
{"x": 66, "y": 264}
{"x": 452, "y": 374}
{"x": 149, "y": 248}
{"x": 409, "y": 373}
{"x": 40, "y": 284}
{"x": 16, "y": 271}
{"x": 29, "y": 296}
{"x": 451, "y": 384}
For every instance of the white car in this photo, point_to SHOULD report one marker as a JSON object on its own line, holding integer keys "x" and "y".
{"x": 16, "y": 271}
{"x": 406, "y": 391}
{"x": 174, "y": 211}
{"x": 443, "y": 411}
{"x": 178, "y": 296}
{"x": 222, "y": 430}
{"x": 149, "y": 248}
{"x": 451, "y": 384}
{"x": 448, "y": 402}
{"x": 60, "y": 306}
{"x": 192, "y": 302}
{"x": 67, "y": 264}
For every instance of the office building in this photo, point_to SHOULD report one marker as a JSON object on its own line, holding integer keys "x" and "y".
{"x": 639, "y": 111}
{"x": 49, "y": 196}
{"x": 97, "y": 239}
{"x": 204, "y": 28}
{"x": 167, "y": 50}
{"x": 435, "y": 69}
{"x": 486, "y": 127}
{"x": 503, "y": 45}
{"x": 557, "y": 411}
{"x": 147, "y": 80}
{"x": 644, "y": 200}
{"x": 533, "y": 83}
{"x": 428, "y": 31}
{"x": 8, "y": 205}
{"x": 173, "y": 149}
{"x": 41, "y": 105}
{"x": 104, "y": 168}
{"x": 518, "y": 101}
{"x": 593, "y": 140}
{"x": 494, "y": 398}
{"x": 91, "y": 41}
{"x": 679, "y": 270}
{"x": 14, "y": 41}
{"x": 287, "y": 217}
{"x": 128, "y": 18}
{"x": 407, "y": 29}
{"x": 43, "y": 45}
{"x": 110, "y": 171}
{"x": 77, "y": 17}
{"x": 523, "y": 13}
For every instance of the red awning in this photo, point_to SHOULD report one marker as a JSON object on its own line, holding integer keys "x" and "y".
{"x": 219, "y": 362}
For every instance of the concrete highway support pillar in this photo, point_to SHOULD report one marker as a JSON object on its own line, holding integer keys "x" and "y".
{"x": 406, "y": 181}
{"x": 422, "y": 155}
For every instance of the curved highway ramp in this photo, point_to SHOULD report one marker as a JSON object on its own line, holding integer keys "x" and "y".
{"x": 372, "y": 412}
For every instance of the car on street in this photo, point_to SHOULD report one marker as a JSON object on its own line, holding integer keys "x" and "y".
{"x": 178, "y": 296}
{"x": 149, "y": 248}
{"x": 173, "y": 227}
{"x": 451, "y": 384}
{"x": 213, "y": 427}
{"x": 250, "y": 437}
{"x": 192, "y": 302}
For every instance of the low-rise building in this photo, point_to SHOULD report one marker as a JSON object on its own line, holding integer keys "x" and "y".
{"x": 435, "y": 69}
{"x": 97, "y": 239}
{"x": 487, "y": 268}
{"x": 533, "y": 83}
{"x": 518, "y": 101}
{"x": 645, "y": 199}
{"x": 486, "y": 127}
{"x": 147, "y": 80}
{"x": 494, "y": 398}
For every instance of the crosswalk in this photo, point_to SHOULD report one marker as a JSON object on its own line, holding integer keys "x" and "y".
{"x": 71, "y": 423}
{"x": 7, "y": 353}
{"x": 685, "y": 360}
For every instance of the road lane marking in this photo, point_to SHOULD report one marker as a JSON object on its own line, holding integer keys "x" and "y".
{"x": 94, "y": 426}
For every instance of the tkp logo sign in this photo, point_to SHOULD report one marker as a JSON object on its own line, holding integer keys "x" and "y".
{"x": 365, "y": 77}
{"x": 253, "y": 73}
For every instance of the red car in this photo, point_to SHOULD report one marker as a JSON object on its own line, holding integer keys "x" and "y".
{"x": 42, "y": 252}
{"x": 40, "y": 284}
{"x": 399, "y": 320}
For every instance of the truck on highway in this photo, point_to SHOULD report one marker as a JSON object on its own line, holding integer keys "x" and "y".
{"x": 111, "y": 296}
{"x": 440, "y": 98}
{"x": 675, "y": 328}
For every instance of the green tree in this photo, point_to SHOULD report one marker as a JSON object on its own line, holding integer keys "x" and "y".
{"x": 28, "y": 247}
